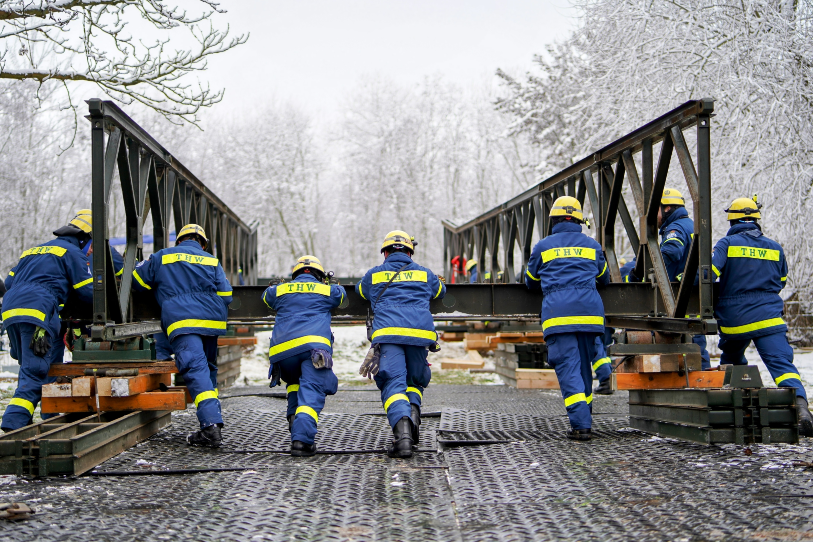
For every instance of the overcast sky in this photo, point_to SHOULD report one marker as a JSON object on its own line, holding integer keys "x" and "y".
{"x": 312, "y": 51}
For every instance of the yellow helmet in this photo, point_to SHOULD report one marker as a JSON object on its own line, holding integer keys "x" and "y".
{"x": 308, "y": 262}
{"x": 192, "y": 229}
{"x": 743, "y": 208}
{"x": 567, "y": 206}
{"x": 672, "y": 197}
{"x": 469, "y": 264}
{"x": 83, "y": 220}
{"x": 399, "y": 237}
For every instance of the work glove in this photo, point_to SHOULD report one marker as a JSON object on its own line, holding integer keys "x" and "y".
{"x": 435, "y": 347}
{"x": 274, "y": 374}
{"x": 369, "y": 368}
{"x": 321, "y": 359}
{"x": 40, "y": 343}
{"x": 442, "y": 279}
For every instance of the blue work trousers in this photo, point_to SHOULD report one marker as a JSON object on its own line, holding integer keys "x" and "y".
{"x": 163, "y": 350}
{"x": 402, "y": 377}
{"x": 196, "y": 360}
{"x": 776, "y": 354}
{"x": 33, "y": 374}
{"x": 307, "y": 388}
{"x": 602, "y": 364}
{"x": 571, "y": 355}
{"x": 700, "y": 340}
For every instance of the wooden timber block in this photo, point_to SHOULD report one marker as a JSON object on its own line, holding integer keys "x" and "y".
{"x": 542, "y": 379}
{"x": 236, "y": 341}
{"x": 452, "y": 336}
{"x": 156, "y": 400}
{"x": 56, "y": 390}
{"x": 144, "y": 367}
{"x": 184, "y": 389}
{"x": 460, "y": 364}
{"x": 126, "y": 386}
{"x": 665, "y": 381}
{"x": 474, "y": 355}
{"x": 82, "y": 386}
{"x": 534, "y": 333}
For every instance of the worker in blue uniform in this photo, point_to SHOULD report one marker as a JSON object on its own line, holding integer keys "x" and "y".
{"x": 301, "y": 350}
{"x": 677, "y": 231}
{"x": 38, "y": 286}
{"x": 399, "y": 291}
{"x": 752, "y": 270}
{"x": 472, "y": 270}
{"x": 566, "y": 265}
{"x": 194, "y": 294}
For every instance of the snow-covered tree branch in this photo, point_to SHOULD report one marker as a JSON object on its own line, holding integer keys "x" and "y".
{"x": 100, "y": 41}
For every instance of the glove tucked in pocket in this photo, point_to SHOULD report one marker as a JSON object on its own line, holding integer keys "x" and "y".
{"x": 274, "y": 373}
{"x": 40, "y": 343}
{"x": 321, "y": 359}
{"x": 369, "y": 368}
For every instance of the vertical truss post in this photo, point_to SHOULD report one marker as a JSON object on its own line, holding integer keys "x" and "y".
{"x": 99, "y": 210}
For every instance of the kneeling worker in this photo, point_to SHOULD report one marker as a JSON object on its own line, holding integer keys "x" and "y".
{"x": 37, "y": 287}
{"x": 566, "y": 266}
{"x": 399, "y": 291}
{"x": 302, "y": 347}
{"x": 194, "y": 293}
{"x": 752, "y": 270}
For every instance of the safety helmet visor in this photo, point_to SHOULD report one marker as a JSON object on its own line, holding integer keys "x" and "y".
{"x": 743, "y": 208}
{"x": 398, "y": 239}
{"x": 567, "y": 206}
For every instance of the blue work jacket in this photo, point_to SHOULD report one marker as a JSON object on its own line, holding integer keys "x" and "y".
{"x": 752, "y": 271}
{"x": 676, "y": 238}
{"x": 303, "y": 310}
{"x": 402, "y": 314}
{"x": 566, "y": 265}
{"x": 38, "y": 286}
{"x": 628, "y": 268}
{"x": 190, "y": 286}
{"x": 118, "y": 260}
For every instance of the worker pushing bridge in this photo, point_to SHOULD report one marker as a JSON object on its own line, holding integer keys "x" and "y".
{"x": 126, "y": 316}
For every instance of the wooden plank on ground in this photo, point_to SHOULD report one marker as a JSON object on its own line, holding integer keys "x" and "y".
{"x": 665, "y": 381}
{"x": 460, "y": 364}
{"x": 78, "y": 369}
{"x": 157, "y": 400}
{"x": 56, "y": 390}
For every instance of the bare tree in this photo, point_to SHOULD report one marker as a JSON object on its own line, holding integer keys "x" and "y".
{"x": 97, "y": 41}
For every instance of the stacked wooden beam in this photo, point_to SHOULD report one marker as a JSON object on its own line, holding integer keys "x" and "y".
{"x": 473, "y": 361}
{"x": 115, "y": 394}
{"x": 478, "y": 341}
{"x": 228, "y": 362}
{"x": 521, "y": 366}
{"x": 505, "y": 337}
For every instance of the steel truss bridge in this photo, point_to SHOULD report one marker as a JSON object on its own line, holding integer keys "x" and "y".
{"x": 155, "y": 183}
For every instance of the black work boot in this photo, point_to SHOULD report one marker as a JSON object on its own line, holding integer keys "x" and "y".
{"x": 401, "y": 445}
{"x": 415, "y": 416}
{"x": 208, "y": 436}
{"x": 300, "y": 449}
{"x": 604, "y": 388}
{"x": 291, "y": 423}
{"x": 579, "y": 434}
{"x": 805, "y": 418}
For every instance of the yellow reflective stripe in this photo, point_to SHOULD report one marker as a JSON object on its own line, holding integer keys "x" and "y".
{"x": 392, "y": 398}
{"x": 754, "y": 253}
{"x": 626, "y": 278}
{"x": 579, "y": 397}
{"x": 120, "y": 273}
{"x": 568, "y": 252}
{"x": 403, "y": 276}
{"x": 762, "y": 324}
{"x": 36, "y": 251}
{"x": 603, "y": 270}
{"x": 783, "y": 279}
{"x": 83, "y": 283}
{"x": 342, "y": 299}
{"x": 572, "y": 320}
{"x": 11, "y": 313}
{"x": 303, "y": 288}
{"x": 224, "y": 294}
{"x": 440, "y": 287}
{"x": 141, "y": 282}
{"x": 11, "y": 273}
{"x": 28, "y": 405}
{"x": 589, "y": 398}
{"x": 188, "y": 258}
{"x": 415, "y": 390}
{"x": 406, "y": 332}
{"x": 264, "y": 301}
{"x": 309, "y": 411}
{"x": 786, "y": 376}
{"x": 293, "y": 343}
{"x": 208, "y": 324}
{"x": 528, "y": 272}
{"x": 202, "y": 396}
{"x": 360, "y": 292}
{"x": 600, "y": 362}
{"x": 673, "y": 239}
{"x": 716, "y": 271}
{"x": 292, "y": 388}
